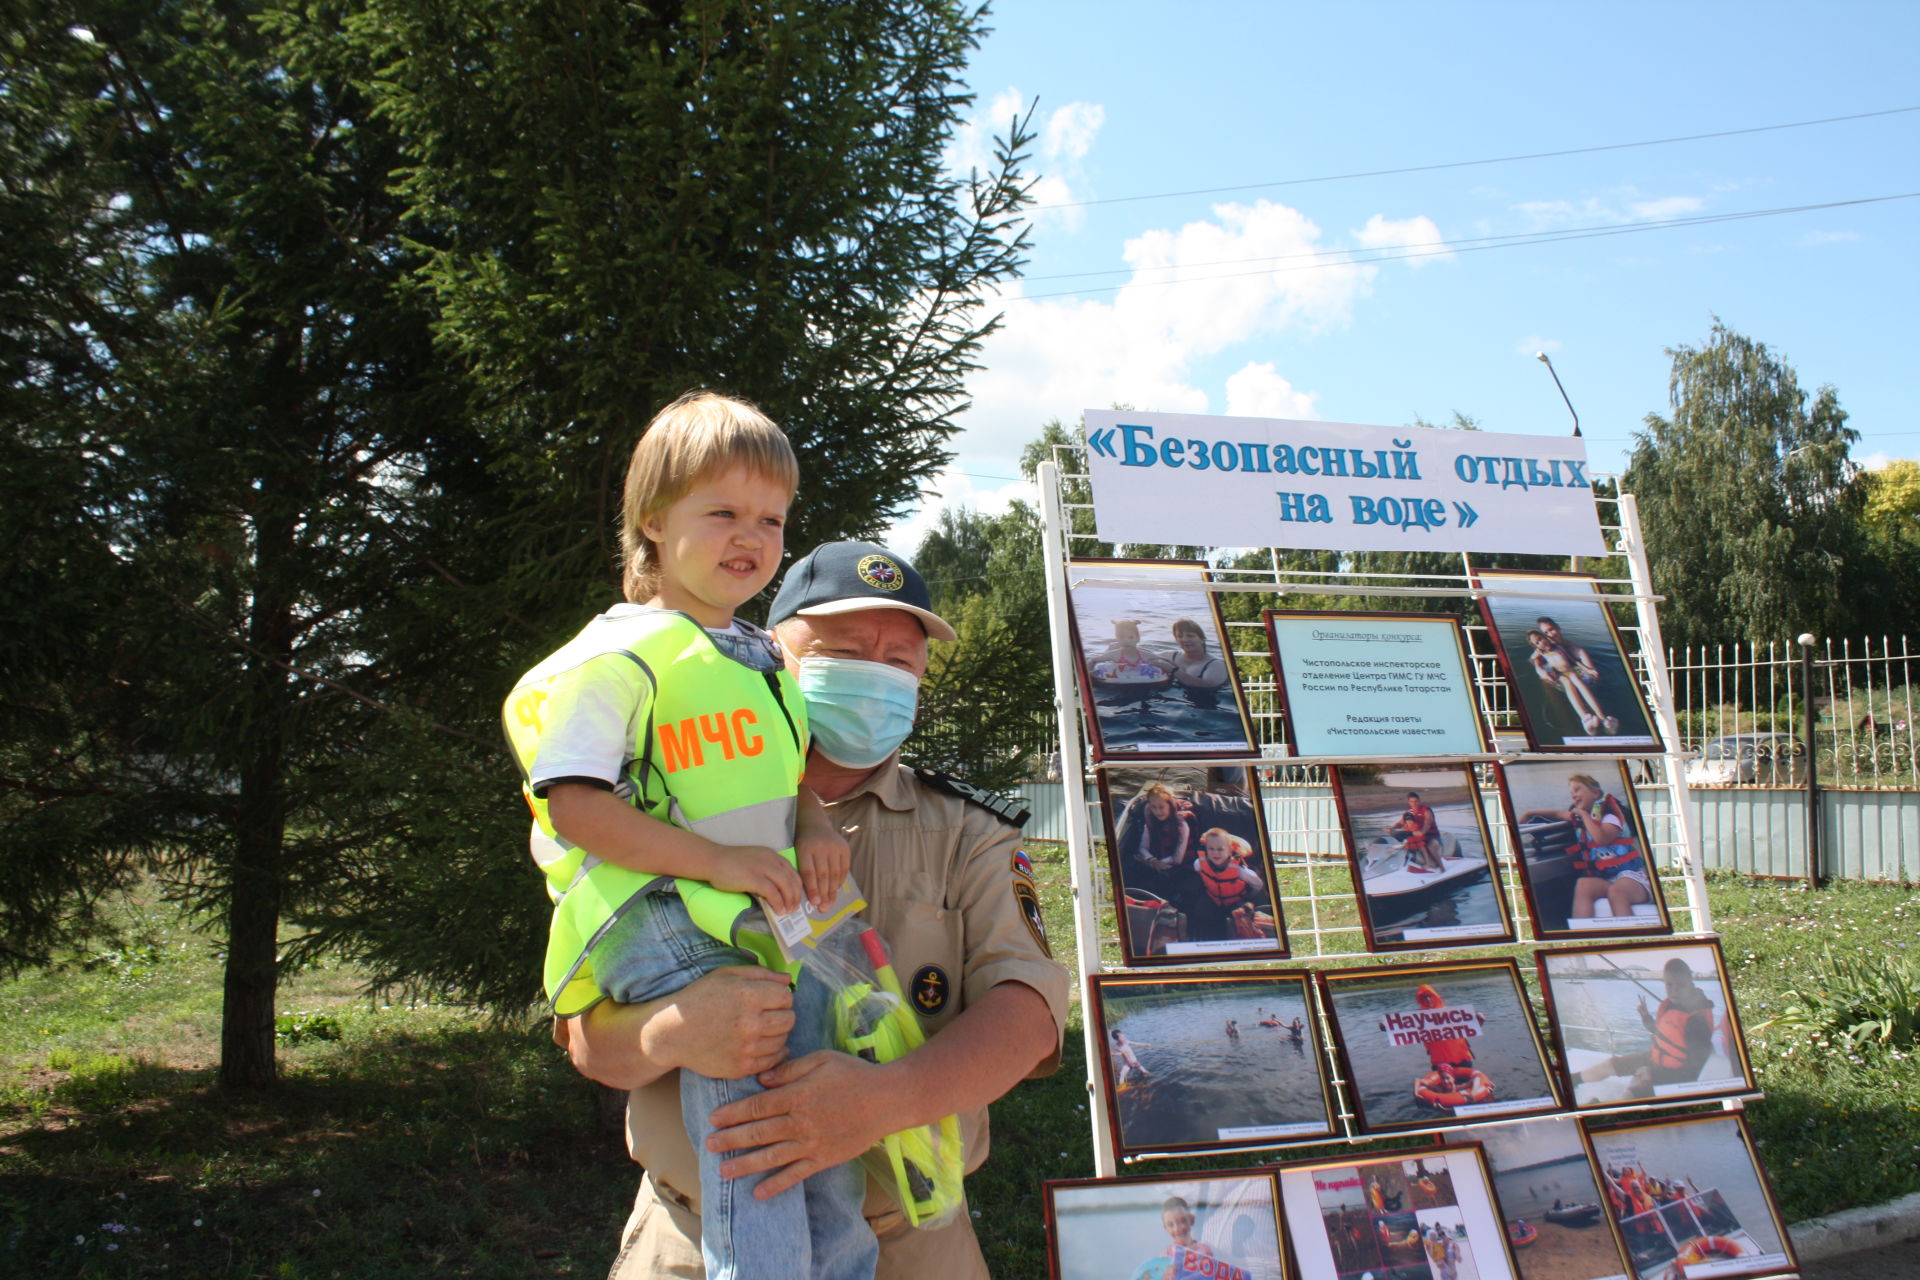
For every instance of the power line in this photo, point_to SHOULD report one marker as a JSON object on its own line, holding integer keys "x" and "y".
{"x": 1478, "y": 244}
{"x": 1467, "y": 164}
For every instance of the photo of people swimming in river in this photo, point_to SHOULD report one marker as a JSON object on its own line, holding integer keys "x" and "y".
{"x": 1187, "y": 845}
{"x": 1419, "y": 846}
{"x": 1156, "y": 672}
{"x": 1585, "y": 861}
{"x": 1207, "y": 1061}
{"x": 1423, "y": 1215}
{"x": 1690, "y": 1198}
{"x": 1563, "y": 657}
{"x": 1421, "y": 1044}
{"x": 1216, "y": 1226}
{"x": 1648, "y": 1021}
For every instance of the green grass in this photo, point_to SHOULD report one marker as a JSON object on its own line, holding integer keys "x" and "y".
{"x": 442, "y": 1144}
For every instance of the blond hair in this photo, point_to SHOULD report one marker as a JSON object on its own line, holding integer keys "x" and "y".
{"x": 702, "y": 433}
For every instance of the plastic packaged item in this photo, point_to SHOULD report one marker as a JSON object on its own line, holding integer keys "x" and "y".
{"x": 922, "y": 1168}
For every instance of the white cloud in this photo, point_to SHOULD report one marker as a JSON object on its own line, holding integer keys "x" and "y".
{"x": 955, "y": 488}
{"x": 1667, "y": 207}
{"x": 1533, "y": 344}
{"x": 1620, "y": 205}
{"x": 1249, "y": 272}
{"x": 1829, "y": 237}
{"x": 1258, "y": 391}
{"x": 1381, "y": 232}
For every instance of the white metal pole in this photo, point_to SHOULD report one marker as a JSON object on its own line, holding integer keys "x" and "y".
{"x": 1653, "y": 651}
{"x": 1073, "y": 775}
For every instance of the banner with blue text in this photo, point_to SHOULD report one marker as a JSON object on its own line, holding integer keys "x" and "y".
{"x": 1188, "y": 479}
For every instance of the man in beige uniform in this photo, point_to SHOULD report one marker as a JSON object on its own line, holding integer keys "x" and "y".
{"x": 949, "y": 890}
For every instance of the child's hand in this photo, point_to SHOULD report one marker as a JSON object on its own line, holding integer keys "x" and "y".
{"x": 824, "y": 858}
{"x": 760, "y": 871}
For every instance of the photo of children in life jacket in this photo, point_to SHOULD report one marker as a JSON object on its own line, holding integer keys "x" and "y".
{"x": 1188, "y": 849}
{"x": 1218, "y": 1227}
{"x": 1584, "y": 857}
{"x": 1426, "y": 1216}
{"x": 1202, "y": 1061}
{"x": 1419, "y": 845}
{"x": 1649, "y": 1021}
{"x": 1422, "y": 1043}
{"x": 1565, "y": 662}
{"x": 1155, "y": 669}
{"x": 1689, "y": 1198}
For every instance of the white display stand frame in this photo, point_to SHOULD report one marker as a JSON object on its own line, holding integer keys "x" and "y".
{"x": 1675, "y": 851}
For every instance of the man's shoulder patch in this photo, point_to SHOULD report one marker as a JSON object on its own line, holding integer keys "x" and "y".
{"x": 1011, "y": 810}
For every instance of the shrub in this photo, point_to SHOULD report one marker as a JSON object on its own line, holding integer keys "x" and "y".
{"x": 1859, "y": 1002}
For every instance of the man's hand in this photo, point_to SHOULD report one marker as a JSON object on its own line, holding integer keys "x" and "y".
{"x": 817, "y": 1112}
{"x": 754, "y": 869}
{"x": 824, "y": 859}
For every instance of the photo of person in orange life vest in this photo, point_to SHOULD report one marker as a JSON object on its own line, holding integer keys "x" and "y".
{"x": 1189, "y": 851}
{"x": 1681, "y": 1028}
{"x": 1419, "y": 830}
{"x": 1606, "y": 850}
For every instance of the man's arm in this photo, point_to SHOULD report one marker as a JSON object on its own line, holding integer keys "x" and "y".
{"x": 826, "y": 1108}
{"x": 729, "y": 1024}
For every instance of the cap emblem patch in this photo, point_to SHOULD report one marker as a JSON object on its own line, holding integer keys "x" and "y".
{"x": 878, "y": 571}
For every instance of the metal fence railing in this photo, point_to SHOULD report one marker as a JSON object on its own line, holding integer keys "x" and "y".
{"x": 1744, "y": 709}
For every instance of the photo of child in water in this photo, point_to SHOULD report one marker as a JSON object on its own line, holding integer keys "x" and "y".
{"x": 1421, "y": 1043}
{"x": 1220, "y": 1226}
{"x": 1565, "y": 662}
{"x": 1187, "y": 848}
{"x": 1156, "y": 673}
{"x": 1423, "y": 1215}
{"x": 1199, "y": 1062}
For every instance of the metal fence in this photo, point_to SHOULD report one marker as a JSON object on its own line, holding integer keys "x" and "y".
{"x": 1749, "y": 712}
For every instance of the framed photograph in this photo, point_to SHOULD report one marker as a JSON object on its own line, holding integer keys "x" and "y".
{"x": 1584, "y": 860}
{"x": 1156, "y": 673}
{"x": 1187, "y": 845}
{"x": 1549, "y": 1194}
{"x": 1691, "y": 1198}
{"x": 1419, "y": 1215}
{"x": 1205, "y": 1061}
{"x": 1424, "y": 1043}
{"x": 1214, "y": 1226}
{"x": 1571, "y": 681}
{"x": 1646, "y": 1022}
{"x": 1374, "y": 684}
{"x": 1422, "y": 860}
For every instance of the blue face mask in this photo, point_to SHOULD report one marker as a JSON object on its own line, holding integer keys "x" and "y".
{"x": 860, "y": 712}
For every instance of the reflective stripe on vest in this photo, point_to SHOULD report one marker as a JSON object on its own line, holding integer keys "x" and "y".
{"x": 1582, "y": 850}
{"x": 719, "y": 752}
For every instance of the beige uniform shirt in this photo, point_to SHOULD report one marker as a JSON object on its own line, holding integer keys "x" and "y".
{"x": 946, "y": 889}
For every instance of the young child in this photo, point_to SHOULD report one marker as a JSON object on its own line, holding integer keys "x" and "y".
{"x": 1124, "y": 658}
{"x": 661, "y": 751}
{"x": 1229, "y": 887}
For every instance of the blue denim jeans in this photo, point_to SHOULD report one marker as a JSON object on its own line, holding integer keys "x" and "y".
{"x": 815, "y": 1229}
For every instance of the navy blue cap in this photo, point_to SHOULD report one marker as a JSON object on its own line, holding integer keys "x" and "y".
{"x": 846, "y": 577}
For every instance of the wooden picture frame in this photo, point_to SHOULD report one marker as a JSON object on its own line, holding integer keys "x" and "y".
{"x": 1374, "y": 683}
{"x": 1443, "y": 1042}
{"x": 1159, "y": 700}
{"x": 1578, "y": 885}
{"x": 1237, "y": 1060}
{"x": 1610, "y": 1057}
{"x": 1581, "y": 693}
{"x": 1726, "y": 1223}
{"x": 1184, "y": 905}
{"x": 1390, "y": 1213}
{"x": 1406, "y": 902}
{"x": 1227, "y": 1223}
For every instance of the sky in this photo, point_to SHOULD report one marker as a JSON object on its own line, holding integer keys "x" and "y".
{"x": 1301, "y": 291}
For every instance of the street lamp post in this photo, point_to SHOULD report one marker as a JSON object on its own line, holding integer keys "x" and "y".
{"x": 1578, "y": 563}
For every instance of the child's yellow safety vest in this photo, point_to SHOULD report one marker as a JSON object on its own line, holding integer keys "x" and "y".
{"x": 719, "y": 752}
